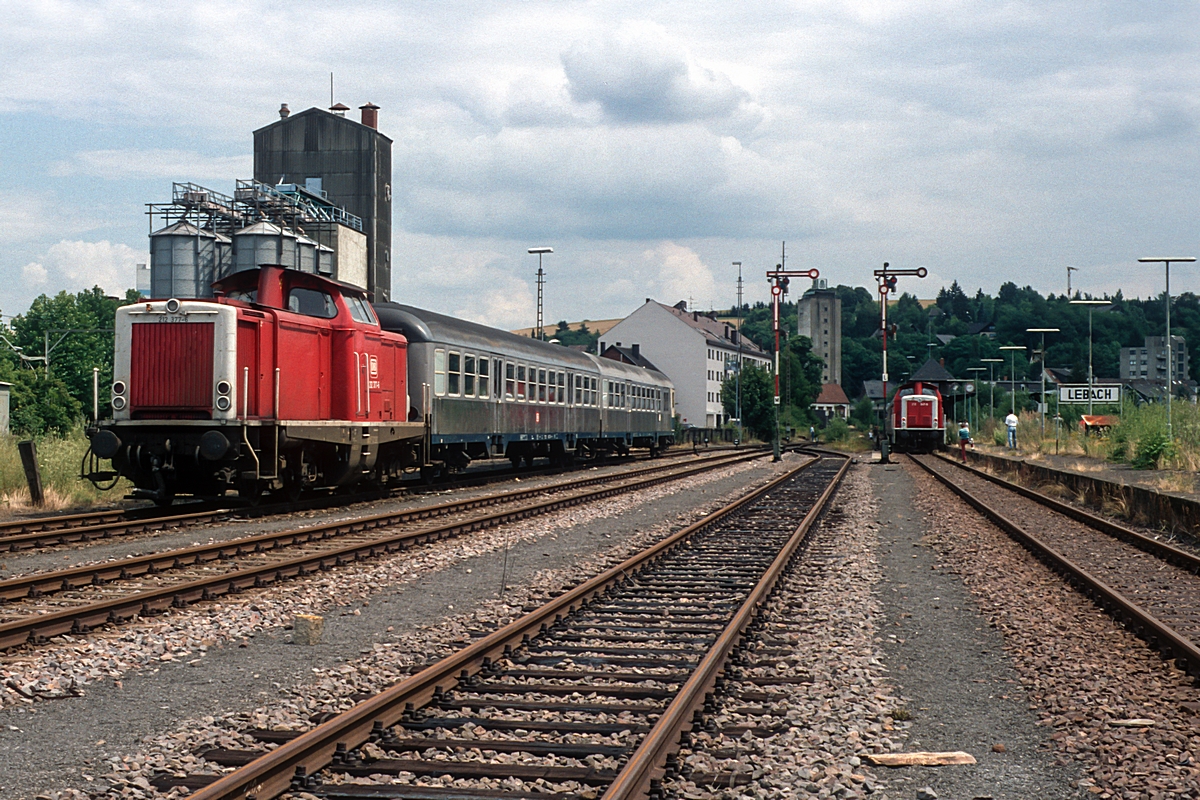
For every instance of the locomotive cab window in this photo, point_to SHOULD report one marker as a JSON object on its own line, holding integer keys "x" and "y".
{"x": 453, "y": 373}
{"x": 311, "y": 303}
{"x": 360, "y": 310}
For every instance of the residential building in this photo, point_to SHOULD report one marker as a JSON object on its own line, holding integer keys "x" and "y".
{"x": 1149, "y": 362}
{"x": 819, "y": 317}
{"x": 696, "y": 351}
{"x": 831, "y": 402}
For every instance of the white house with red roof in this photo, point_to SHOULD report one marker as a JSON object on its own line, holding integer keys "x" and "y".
{"x": 831, "y": 402}
{"x": 696, "y": 351}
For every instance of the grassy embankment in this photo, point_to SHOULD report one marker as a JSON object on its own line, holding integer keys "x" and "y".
{"x": 59, "y": 459}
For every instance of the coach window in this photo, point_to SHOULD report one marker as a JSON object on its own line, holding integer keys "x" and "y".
{"x": 453, "y": 372}
{"x": 604, "y": 395}
{"x": 520, "y": 381}
{"x": 552, "y": 389}
{"x": 541, "y": 385}
{"x": 595, "y": 391}
{"x": 439, "y": 372}
{"x": 483, "y": 377}
{"x": 510, "y": 380}
{"x": 468, "y": 376}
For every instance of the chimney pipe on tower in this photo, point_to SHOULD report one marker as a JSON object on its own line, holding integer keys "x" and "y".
{"x": 370, "y": 115}
{"x": 284, "y": 111}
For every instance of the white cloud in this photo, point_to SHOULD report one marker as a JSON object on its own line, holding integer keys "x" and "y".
{"x": 179, "y": 165}
{"x": 683, "y": 276}
{"x": 34, "y": 273}
{"x": 76, "y": 266}
{"x": 640, "y": 73}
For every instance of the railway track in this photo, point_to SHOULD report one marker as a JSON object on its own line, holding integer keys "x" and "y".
{"x": 1152, "y": 587}
{"x": 84, "y": 527}
{"x": 43, "y": 605}
{"x": 590, "y": 694}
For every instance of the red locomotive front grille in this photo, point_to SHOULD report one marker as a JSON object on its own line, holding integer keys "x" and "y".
{"x": 171, "y": 368}
{"x": 920, "y": 414}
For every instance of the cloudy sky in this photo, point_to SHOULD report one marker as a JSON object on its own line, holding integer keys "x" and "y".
{"x": 651, "y": 144}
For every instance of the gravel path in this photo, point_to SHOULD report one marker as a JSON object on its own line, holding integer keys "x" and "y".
{"x": 1110, "y": 711}
{"x": 220, "y": 667}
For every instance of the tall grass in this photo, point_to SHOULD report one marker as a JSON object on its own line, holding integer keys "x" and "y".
{"x": 58, "y": 460}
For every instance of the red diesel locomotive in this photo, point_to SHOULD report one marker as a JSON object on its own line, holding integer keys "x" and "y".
{"x": 917, "y": 419}
{"x": 284, "y": 381}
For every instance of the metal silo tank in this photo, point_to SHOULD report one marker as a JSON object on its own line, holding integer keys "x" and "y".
{"x": 325, "y": 261}
{"x": 263, "y": 243}
{"x": 182, "y": 260}
{"x": 306, "y": 254}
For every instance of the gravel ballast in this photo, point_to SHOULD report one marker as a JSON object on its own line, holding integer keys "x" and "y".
{"x": 1107, "y": 706}
{"x": 215, "y": 663}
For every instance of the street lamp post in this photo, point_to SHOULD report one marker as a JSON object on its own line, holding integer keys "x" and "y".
{"x": 975, "y": 387}
{"x": 1092, "y": 305}
{"x": 1012, "y": 371}
{"x": 992, "y": 362}
{"x": 541, "y": 279}
{"x": 738, "y": 375}
{"x": 1042, "y": 404}
{"x": 1170, "y": 350}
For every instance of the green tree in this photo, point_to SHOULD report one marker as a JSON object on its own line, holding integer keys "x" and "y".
{"x": 78, "y": 328}
{"x": 758, "y": 396}
{"x": 42, "y": 405}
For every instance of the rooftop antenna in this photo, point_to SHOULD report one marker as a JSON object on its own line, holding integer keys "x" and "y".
{"x": 331, "y": 90}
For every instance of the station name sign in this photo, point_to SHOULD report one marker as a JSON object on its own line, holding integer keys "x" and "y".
{"x": 1106, "y": 393}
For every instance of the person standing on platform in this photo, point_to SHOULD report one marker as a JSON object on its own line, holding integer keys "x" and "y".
{"x": 964, "y": 439}
{"x": 1011, "y": 423}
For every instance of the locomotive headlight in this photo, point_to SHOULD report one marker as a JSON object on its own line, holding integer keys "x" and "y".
{"x": 223, "y": 387}
{"x": 172, "y": 306}
{"x": 119, "y": 387}
{"x": 118, "y": 402}
{"x": 222, "y": 403}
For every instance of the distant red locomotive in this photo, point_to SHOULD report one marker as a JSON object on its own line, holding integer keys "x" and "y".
{"x": 917, "y": 419}
{"x": 284, "y": 381}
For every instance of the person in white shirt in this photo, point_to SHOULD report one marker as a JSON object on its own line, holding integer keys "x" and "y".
{"x": 1011, "y": 422}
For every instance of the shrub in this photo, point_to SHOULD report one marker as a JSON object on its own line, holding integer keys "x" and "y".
{"x": 1151, "y": 448}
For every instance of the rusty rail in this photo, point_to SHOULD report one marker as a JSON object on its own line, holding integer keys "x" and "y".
{"x": 1169, "y": 642}
{"x": 272, "y": 774}
{"x": 120, "y": 609}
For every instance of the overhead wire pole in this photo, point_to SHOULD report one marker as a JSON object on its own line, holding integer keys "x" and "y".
{"x": 1170, "y": 350}
{"x": 887, "y": 279}
{"x": 779, "y": 278}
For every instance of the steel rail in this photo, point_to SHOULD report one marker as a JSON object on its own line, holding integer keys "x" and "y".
{"x": 50, "y": 531}
{"x": 1173, "y": 555}
{"x": 79, "y": 619}
{"x": 270, "y": 775}
{"x": 41, "y": 583}
{"x": 646, "y": 764}
{"x": 1162, "y": 637}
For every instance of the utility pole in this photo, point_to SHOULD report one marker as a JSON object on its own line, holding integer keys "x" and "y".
{"x": 887, "y": 285}
{"x": 779, "y": 278}
{"x": 1069, "y": 271}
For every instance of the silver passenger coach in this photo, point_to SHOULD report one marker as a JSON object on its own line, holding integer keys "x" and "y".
{"x": 489, "y": 393}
